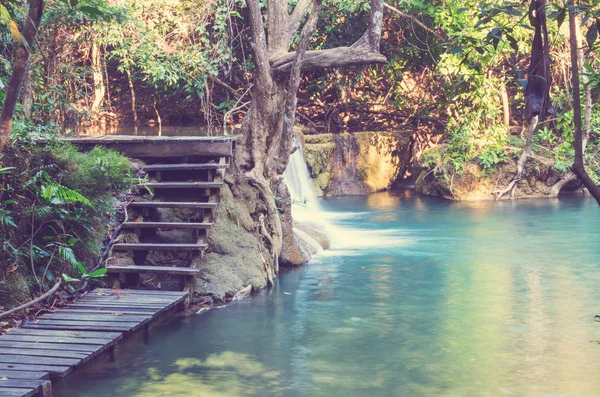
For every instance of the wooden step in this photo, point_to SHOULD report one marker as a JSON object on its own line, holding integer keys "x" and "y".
{"x": 173, "y": 204}
{"x": 166, "y": 225}
{"x": 158, "y": 247}
{"x": 25, "y": 387}
{"x": 181, "y": 271}
{"x": 180, "y": 185}
{"x": 184, "y": 167}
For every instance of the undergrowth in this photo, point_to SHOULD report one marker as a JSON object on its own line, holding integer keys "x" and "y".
{"x": 55, "y": 206}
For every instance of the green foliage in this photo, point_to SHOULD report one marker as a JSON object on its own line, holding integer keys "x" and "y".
{"x": 54, "y": 204}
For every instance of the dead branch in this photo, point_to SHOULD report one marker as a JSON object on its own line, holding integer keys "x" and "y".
{"x": 33, "y": 302}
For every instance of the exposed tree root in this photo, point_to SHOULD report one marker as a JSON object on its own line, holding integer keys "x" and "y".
{"x": 276, "y": 237}
{"x": 33, "y": 302}
{"x": 557, "y": 187}
{"x": 522, "y": 160}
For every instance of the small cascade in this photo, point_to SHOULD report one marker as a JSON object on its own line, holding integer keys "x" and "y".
{"x": 308, "y": 211}
{"x": 306, "y": 208}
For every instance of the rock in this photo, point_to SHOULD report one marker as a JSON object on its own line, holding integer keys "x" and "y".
{"x": 293, "y": 252}
{"x": 474, "y": 184}
{"x": 243, "y": 293}
{"x": 235, "y": 255}
{"x": 358, "y": 163}
{"x": 318, "y": 236}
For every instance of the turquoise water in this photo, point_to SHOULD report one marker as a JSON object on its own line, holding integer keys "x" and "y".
{"x": 434, "y": 299}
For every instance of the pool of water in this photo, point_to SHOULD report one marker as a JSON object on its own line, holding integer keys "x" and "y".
{"x": 436, "y": 299}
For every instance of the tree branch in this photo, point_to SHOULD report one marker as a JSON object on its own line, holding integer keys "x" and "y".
{"x": 364, "y": 51}
{"x": 259, "y": 43}
{"x": 291, "y": 97}
{"x": 415, "y": 20}
{"x": 33, "y": 302}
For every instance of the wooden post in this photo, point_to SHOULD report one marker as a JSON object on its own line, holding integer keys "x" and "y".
{"x": 147, "y": 334}
{"x": 112, "y": 351}
{"x": 46, "y": 390}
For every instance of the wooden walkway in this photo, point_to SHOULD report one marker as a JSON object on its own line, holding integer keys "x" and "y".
{"x": 57, "y": 343}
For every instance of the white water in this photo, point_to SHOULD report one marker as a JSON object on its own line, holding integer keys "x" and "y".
{"x": 307, "y": 210}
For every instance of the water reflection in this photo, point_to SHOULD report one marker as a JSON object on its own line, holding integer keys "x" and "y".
{"x": 473, "y": 299}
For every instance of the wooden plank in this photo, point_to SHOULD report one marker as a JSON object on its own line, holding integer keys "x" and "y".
{"x": 166, "y": 225}
{"x": 81, "y": 327}
{"x": 45, "y": 353}
{"x": 182, "y": 271}
{"x": 184, "y": 167}
{"x": 140, "y": 292}
{"x": 82, "y": 321}
{"x": 8, "y": 374}
{"x": 165, "y": 148}
{"x": 25, "y": 345}
{"x": 171, "y": 204}
{"x": 180, "y": 185}
{"x": 57, "y": 340}
{"x": 168, "y": 296}
{"x": 53, "y": 370}
{"x": 67, "y": 333}
{"x": 159, "y": 247}
{"x": 96, "y": 317}
{"x": 29, "y": 360}
{"x": 118, "y": 306}
{"x": 149, "y": 313}
{"x": 114, "y": 301}
{"x": 24, "y": 383}
{"x": 20, "y": 392}
{"x": 133, "y": 299}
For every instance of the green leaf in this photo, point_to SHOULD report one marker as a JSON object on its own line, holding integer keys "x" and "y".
{"x": 591, "y": 35}
{"x": 456, "y": 50}
{"x": 91, "y": 12}
{"x": 69, "y": 279}
{"x": 81, "y": 268}
{"x": 560, "y": 18}
{"x": 4, "y": 15}
{"x": 98, "y": 273}
{"x": 523, "y": 83}
{"x": 513, "y": 42}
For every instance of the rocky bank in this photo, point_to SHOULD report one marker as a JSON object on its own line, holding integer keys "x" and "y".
{"x": 361, "y": 162}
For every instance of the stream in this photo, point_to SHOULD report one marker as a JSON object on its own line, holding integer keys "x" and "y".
{"x": 424, "y": 297}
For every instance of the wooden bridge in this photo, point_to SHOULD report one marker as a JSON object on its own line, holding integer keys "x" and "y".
{"x": 183, "y": 173}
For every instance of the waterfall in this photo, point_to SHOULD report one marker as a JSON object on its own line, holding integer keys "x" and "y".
{"x": 307, "y": 210}
{"x": 305, "y": 203}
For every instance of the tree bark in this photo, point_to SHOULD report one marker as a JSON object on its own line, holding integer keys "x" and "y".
{"x": 570, "y": 176}
{"x": 265, "y": 143}
{"x": 27, "y": 92}
{"x": 29, "y": 31}
{"x": 579, "y": 165}
{"x": 132, "y": 90}
{"x": 99, "y": 88}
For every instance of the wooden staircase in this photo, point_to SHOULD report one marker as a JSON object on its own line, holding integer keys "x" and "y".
{"x": 191, "y": 185}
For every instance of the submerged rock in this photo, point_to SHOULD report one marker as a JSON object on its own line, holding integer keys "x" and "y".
{"x": 243, "y": 293}
{"x": 315, "y": 234}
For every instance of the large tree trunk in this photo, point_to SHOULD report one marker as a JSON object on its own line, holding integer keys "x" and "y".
{"x": 19, "y": 68}
{"x": 265, "y": 143}
{"x": 579, "y": 165}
